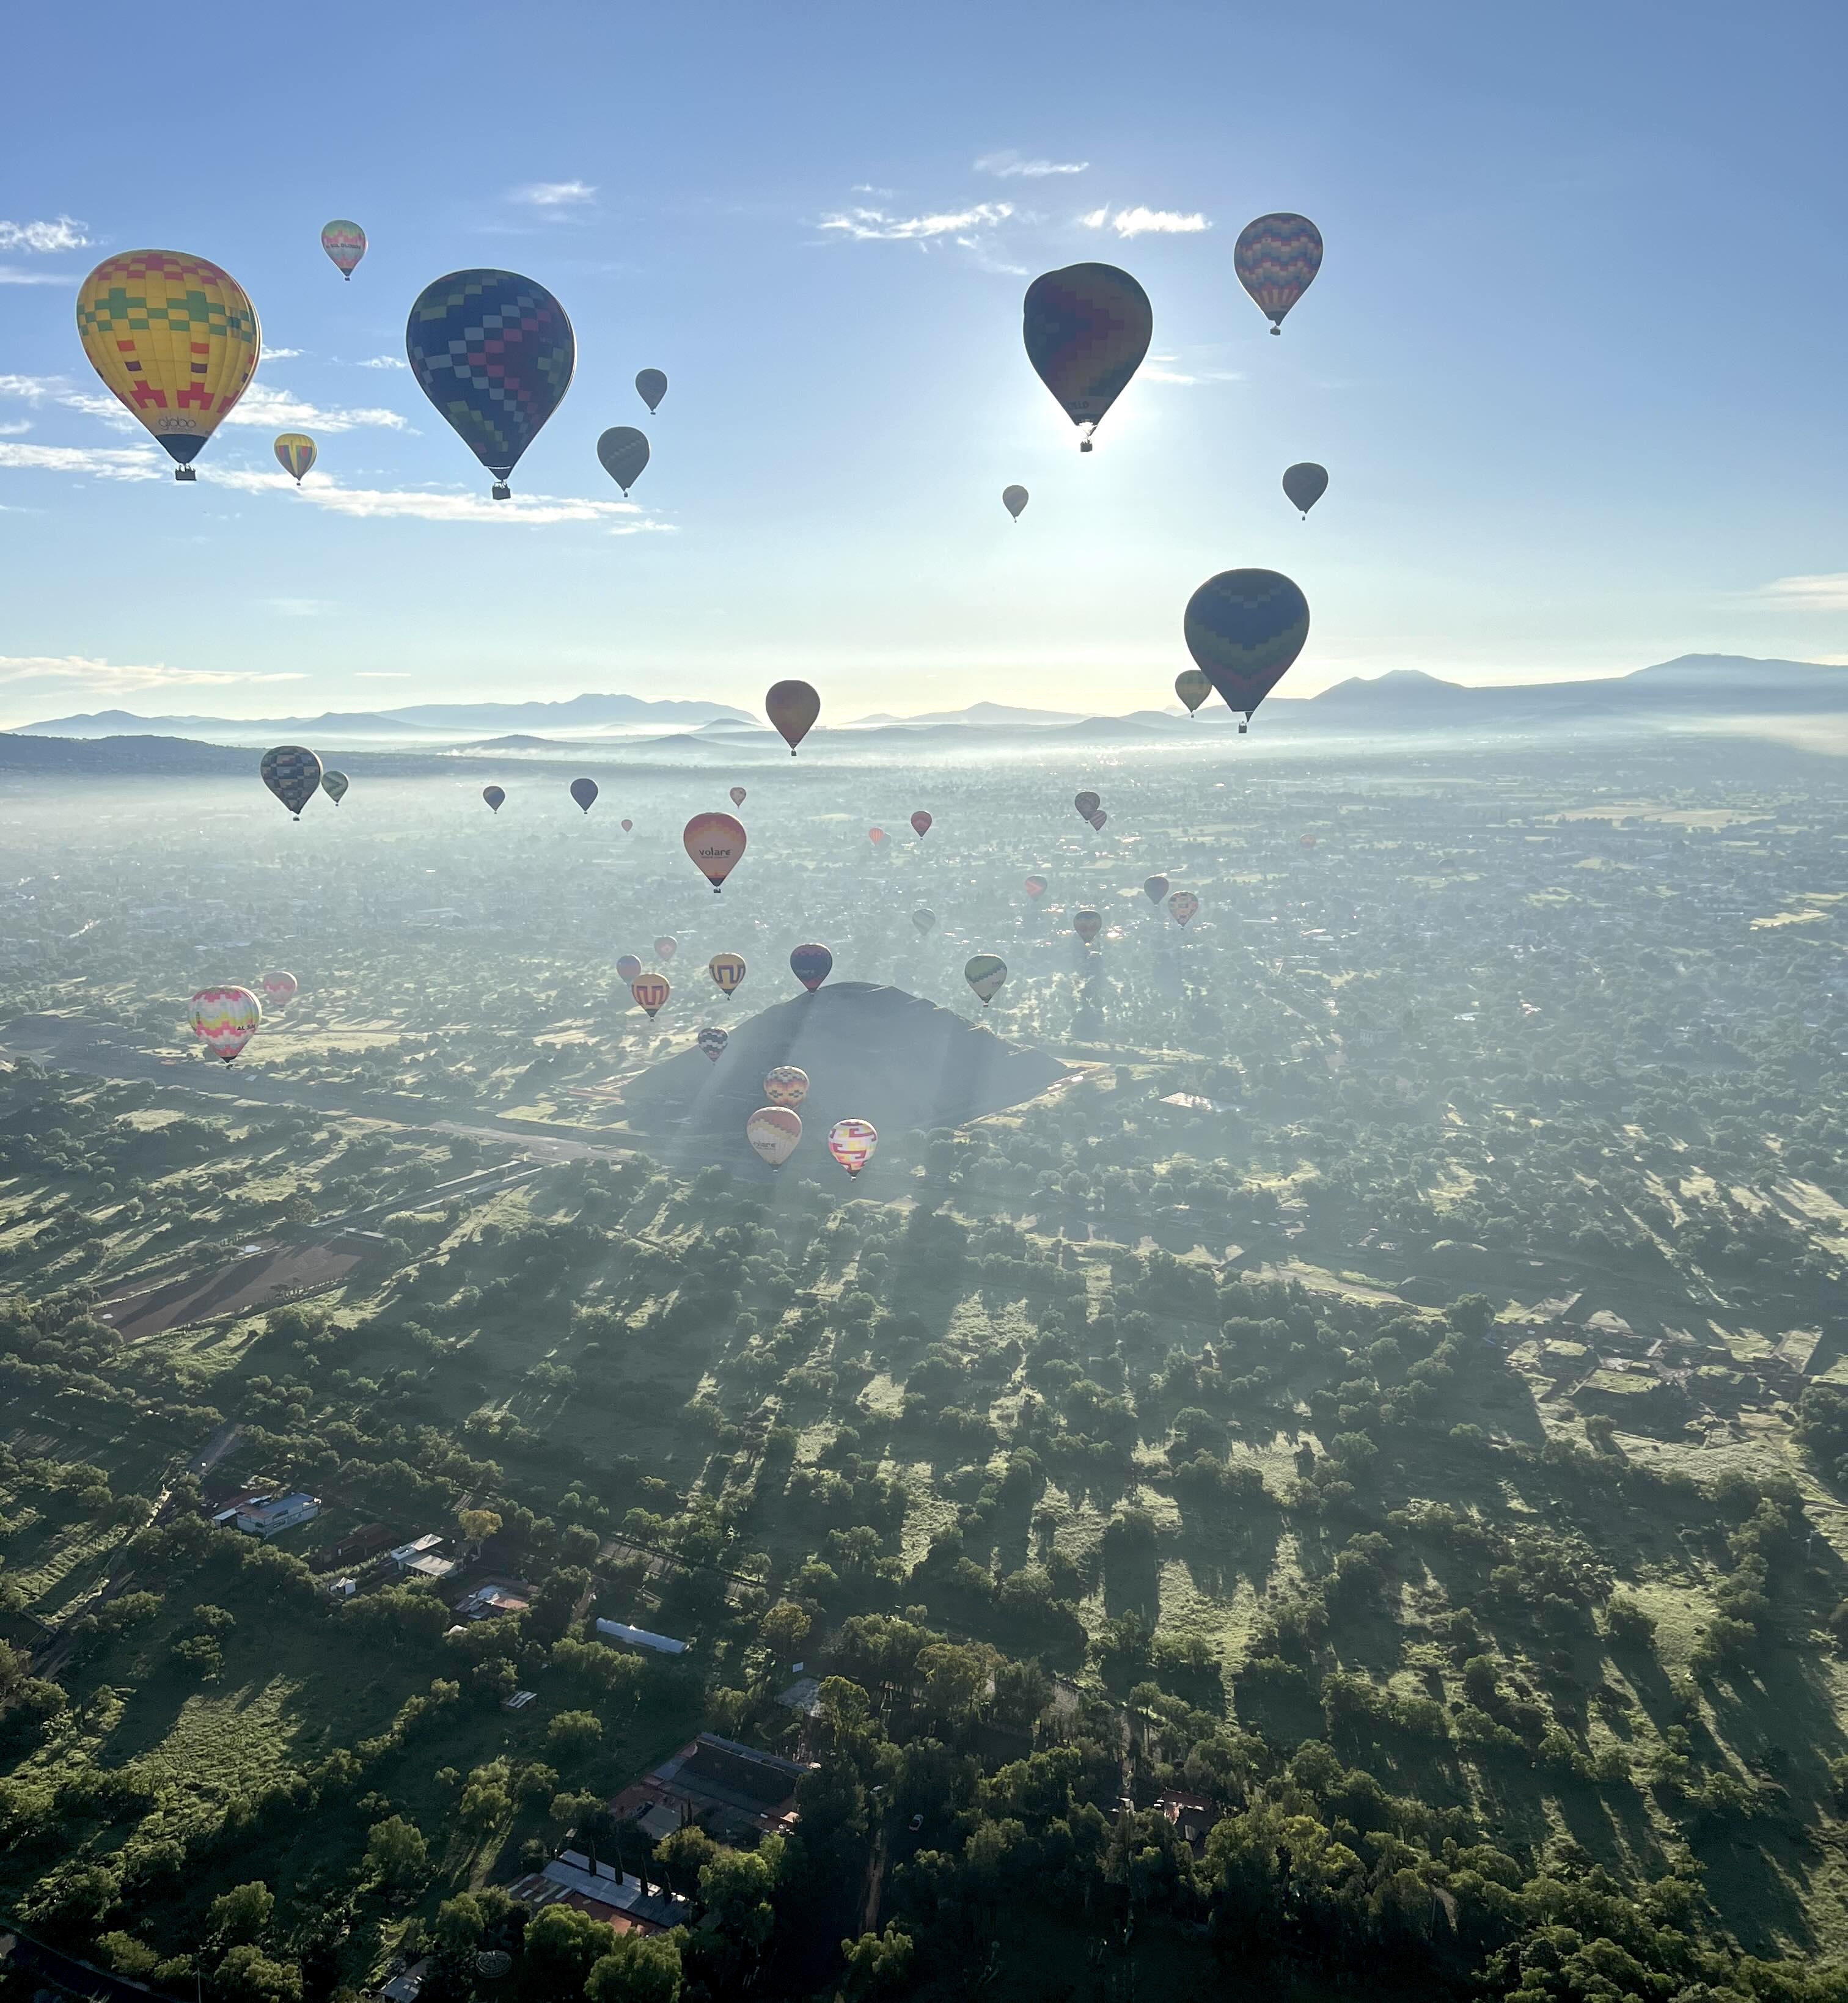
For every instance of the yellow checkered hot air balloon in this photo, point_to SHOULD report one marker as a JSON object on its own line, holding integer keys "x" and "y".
{"x": 296, "y": 452}
{"x": 176, "y": 339}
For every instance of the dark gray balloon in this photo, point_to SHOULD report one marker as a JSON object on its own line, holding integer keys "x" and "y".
{"x": 624, "y": 451}
{"x": 1305, "y": 483}
{"x": 651, "y": 386}
{"x": 1013, "y": 499}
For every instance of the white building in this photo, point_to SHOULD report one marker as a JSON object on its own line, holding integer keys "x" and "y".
{"x": 263, "y": 1516}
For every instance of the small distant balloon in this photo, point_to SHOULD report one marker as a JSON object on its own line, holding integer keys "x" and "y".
{"x": 495, "y": 796}
{"x": 1036, "y": 888}
{"x": 665, "y": 947}
{"x": 1182, "y": 906}
{"x": 629, "y": 968}
{"x": 1099, "y": 819}
{"x": 1244, "y": 628}
{"x": 924, "y": 918}
{"x": 1087, "y": 329}
{"x": 293, "y": 774}
{"x": 1086, "y": 803}
{"x": 921, "y": 823}
{"x": 345, "y": 243}
{"x": 1013, "y": 499}
{"x": 727, "y": 970}
{"x": 295, "y": 453}
{"x": 629, "y": 826}
{"x": 584, "y": 792}
{"x": 1308, "y": 840}
{"x": 785, "y": 1085}
{"x": 713, "y": 1043}
{"x": 1276, "y": 258}
{"x": 1086, "y": 924}
{"x": 224, "y": 1019}
{"x": 1155, "y": 889}
{"x": 792, "y": 707}
{"x": 651, "y": 386}
{"x": 623, "y": 452}
{"x": 1192, "y": 688}
{"x": 737, "y": 796}
{"x": 811, "y": 964}
{"x": 985, "y": 973}
{"x": 651, "y": 993}
{"x": 279, "y": 990}
{"x": 335, "y": 785}
{"x": 773, "y": 1131}
{"x": 877, "y": 836}
{"x": 852, "y": 1143}
{"x": 1305, "y": 484}
{"x": 715, "y": 841}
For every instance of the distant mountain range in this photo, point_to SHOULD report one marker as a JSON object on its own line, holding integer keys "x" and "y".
{"x": 626, "y": 729}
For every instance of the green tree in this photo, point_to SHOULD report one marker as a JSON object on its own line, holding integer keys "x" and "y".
{"x": 242, "y": 1914}
{"x": 247, "y": 1975}
{"x": 395, "y": 1850}
{"x": 562, "y": 1946}
{"x": 638, "y": 1969}
{"x": 574, "y": 1733}
{"x": 877, "y": 1962}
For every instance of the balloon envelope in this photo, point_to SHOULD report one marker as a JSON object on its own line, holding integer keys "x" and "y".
{"x": 345, "y": 243}
{"x": 494, "y": 352}
{"x": 224, "y": 1019}
{"x": 985, "y": 974}
{"x": 1086, "y": 924}
{"x": 773, "y": 1131}
{"x": 1192, "y": 688}
{"x": 624, "y": 452}
{"x": 665, "y": 947}
{"x": 294, "y": 454}
{"x": 1087, "y": 329}
{"x": 811, "y": 964}
{"x": 584, "y": 792}
{"x": 727, "y": 970}
{"x": 737, "y": 796}
{"x": 920, "y": 824}
{"x": 1308, "y": 841}
{"x": 627, "y": 825}
{"x": 792, "y": 707}
{"x": 876, "y": 835}
{"x": 923, "y": 918}
{"x": 1013, "y": 499}
{"x": 651, "y": 386}
{"x": 293, "y": 773}
{"x": 1086, "y": 805}
{"x": 176, "y": 340}
{"x": 1276, "y": 258}
{"x": 650, "y": 991}
{"x": 1305, "y": 484}
{"x": 852, "y": 1143}
{"x": 1098, "y": 819}
{"x": 495, "y": 796}
{"x": 279, "y": 990}
{"x": 1155, "y": 889}
{"x": 715, "y": 841}
{"x": 785, "y": 1085}
{"x": 1182, "y": 906}
{"x": 713, "y": 1043}
{"x": 1036, "y": 888}
{"x": 1244, "y": 628}
{"x": 336, "y": 785}
{"x": 629, "y": 968}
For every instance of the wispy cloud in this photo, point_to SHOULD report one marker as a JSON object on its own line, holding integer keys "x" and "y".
{"x": 871, "y": 224}
{"x": 423, "y": 504}
{"x": 16, "y": 429}
{"x": 1008, "y": 164}
{"x": 384, "y": 361}
{"x": 11, "y": 275}
{"x": 264, "y": 405}
{"x": 122, "y": 677}
{"x": 1827, "y": 592}
{"x": 67, "y": 234}
{"x": 382, "y": 675}
{"x": 132, "y": 462}
{"x": 283, "y": 354}
{"x": 1140, "y": 221}
{"x": 299, "y": 608}
{"x": 866, "y": 187}
{"x": 554, "y": 194}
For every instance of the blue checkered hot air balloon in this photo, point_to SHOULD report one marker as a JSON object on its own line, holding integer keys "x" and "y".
{"x": 1087, "y": 329}
{"x": 1276, "y": 258}
{"x": 1244, "y": 628}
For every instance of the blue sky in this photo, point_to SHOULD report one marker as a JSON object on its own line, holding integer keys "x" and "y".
{"x": 1575, "y": 361}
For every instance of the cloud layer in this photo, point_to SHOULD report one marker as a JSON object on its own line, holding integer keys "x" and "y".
{"x": 1007, "y": 164}
{"x": 1142, "y": 221}
{"x": 875, "y": 225}
{"x": 1827, "y": 592}
{"x": 120, "y": 677}
{"x": 65, "y": 234}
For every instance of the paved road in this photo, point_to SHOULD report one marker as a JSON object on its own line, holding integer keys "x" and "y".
{"x": 100, "y": 1049}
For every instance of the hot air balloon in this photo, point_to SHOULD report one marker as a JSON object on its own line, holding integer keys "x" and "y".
{"x": 345, "y": 243}
{"x": 1098, "y": 819}
{"x": 1305, "y": 484}
{"x": 1308, "y": 841}
{"x": 727, "y": 970}
{"x": 811, "y": 965}
{"x": 923, "y": 918}
{"x": 279, "y": 990}
{"x": 985, "y": 974}
{"x": 1013, "y": 499}
{"x": 495, "y": 796}
{"x": 792, "y": 707}
{"x": 1155, "y": 889}
{"x": 584, "y": 792}
{"x": 738, "y": 796}
{"x": 877, "y": 836}
{"x": 293, "y": 773}
{"x": 494, "y": 352}
{"x": 176, "y": 339}
{"x": 629, "y": 968}
{"x": 1182, "y": 906}
{"x": 294, "y": 454}
{"x": 1086, "y": 805}
{"x": 713, "y": 1043}
{"x": 852, "y": 1143}
{"x": 1276, "y": 257}
{"x": 785, "y": 1085}
{"x": 1086, "y": 924}
{"x": 623, "y": 452}
{"x": 1087, "y": 329}
{"x": 224, "y": 1019}
{"x": 1036, "y": 888}
{"x": 1244, "y": 627}
{"x": 627, "y": 825}
{"x": 336, "y": 786}
{"x": 651, "y": 993}
{"x": 715, "y": 841}
{"x": 773, "y": 1131}
{"x": 1192, "y": 688}
{"x": 665, "y": 947}
{"x": 920, "y": 824}
{"x": 651, "y": 386}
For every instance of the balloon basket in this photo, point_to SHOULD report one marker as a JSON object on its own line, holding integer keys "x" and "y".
{"x": 501, "y": 492}
{"x": 1086, "y": 445}
{"x": 186, "y": 474}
